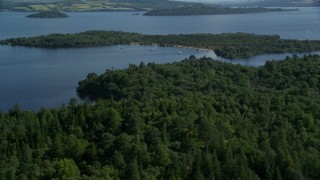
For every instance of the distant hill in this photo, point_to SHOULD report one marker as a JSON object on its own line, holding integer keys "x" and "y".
{"x": 284, "y": 3}
{"x": 29, "y": 1}
{"x": 87, "y": 5}
{"x": 135, "y": 5}
{"x": 261, "y": 3}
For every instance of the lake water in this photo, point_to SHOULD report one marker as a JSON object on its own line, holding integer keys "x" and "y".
{"x": 49, "y": 77}
{"x": 303, "y": 24}
{"x": 36, "y": 77}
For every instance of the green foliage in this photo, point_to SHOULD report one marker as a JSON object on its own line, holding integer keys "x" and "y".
{"x": 194, "y": 119}
{"x": 67, "y": 169}
{"x": 228, "y": 45}
{"x": 48, "y": 14}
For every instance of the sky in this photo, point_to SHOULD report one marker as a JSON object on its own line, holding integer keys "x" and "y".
{"x": 217, "y": 1}
{"x": 213, "y": 1}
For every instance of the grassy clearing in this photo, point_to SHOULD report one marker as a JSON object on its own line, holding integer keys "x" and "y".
{"x": 21, "y": 9}
{"x": 40, "y": 7}
{"x": 52, "y": 6}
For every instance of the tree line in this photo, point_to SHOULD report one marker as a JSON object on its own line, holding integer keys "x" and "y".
{"x": 227, "y": 45}
{"x": 194, "y": 119}
{"x": 48, "y": 14}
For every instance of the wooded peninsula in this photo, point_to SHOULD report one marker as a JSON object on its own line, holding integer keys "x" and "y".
{"x": 194, "y": 119}
{"x": 227, "y": 45}
{"x": 200, "y": 9}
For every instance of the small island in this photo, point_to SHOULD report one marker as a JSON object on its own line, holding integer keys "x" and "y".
{"x": 210, "y": 10}
{"x": 48, "y": 14}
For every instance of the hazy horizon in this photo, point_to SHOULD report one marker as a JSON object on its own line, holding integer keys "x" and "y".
{"x": 218, "y": 1}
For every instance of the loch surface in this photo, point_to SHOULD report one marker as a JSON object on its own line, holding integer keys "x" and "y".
{"x": 302, "y": 24}
{"x": 35, "y": 77}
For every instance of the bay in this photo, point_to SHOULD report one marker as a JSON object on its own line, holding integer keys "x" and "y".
{"x": 36, "y": 77}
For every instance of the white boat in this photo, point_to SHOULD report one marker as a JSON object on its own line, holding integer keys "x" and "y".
{"x": 179, "y": 52}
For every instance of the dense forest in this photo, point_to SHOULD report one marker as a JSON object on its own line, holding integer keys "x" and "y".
{"x": 194, "y": 119}
{"x": 227, "y": 45}
{"x": 210, "y": 10}
{"x": 48, "y": 14}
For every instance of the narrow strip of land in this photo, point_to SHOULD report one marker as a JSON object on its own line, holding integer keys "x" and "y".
{"x": 227, "y": 45}
{"x": 210, "y": 10}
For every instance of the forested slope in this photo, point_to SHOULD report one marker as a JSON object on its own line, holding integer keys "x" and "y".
{"x": 195, "y": 119}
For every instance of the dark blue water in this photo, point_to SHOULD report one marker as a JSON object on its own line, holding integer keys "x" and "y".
{"x": 36, "y": 77}
{"x": 303, "y": 24}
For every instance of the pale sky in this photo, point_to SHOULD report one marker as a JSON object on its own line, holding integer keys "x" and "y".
{"x": 215, "y": 1}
